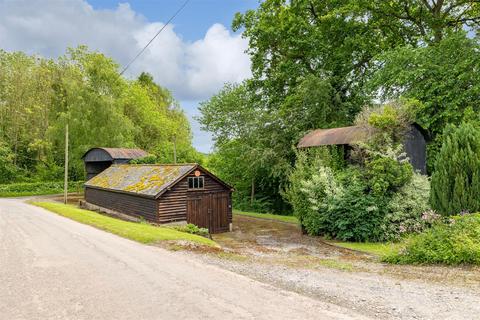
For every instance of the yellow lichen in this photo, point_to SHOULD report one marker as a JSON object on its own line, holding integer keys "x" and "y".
{"x": 121, "y": 177}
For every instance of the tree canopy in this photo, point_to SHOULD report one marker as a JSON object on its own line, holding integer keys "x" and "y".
{"x": 317, "y": 64}
{"x": 39, "y": 96}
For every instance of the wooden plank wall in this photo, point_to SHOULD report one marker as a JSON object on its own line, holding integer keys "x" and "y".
{"x": 172, "y": 204}
{"x": 124, "y": 203}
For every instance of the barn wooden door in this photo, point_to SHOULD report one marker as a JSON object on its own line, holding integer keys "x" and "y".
{"x": 208, "y": 210}
{"x": 219, "y": 212}
{"x": 197, "y": 209}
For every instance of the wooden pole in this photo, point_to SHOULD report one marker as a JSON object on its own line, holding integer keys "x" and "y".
{"x": 175, "y": 149}
{"x": 65, "y": 181}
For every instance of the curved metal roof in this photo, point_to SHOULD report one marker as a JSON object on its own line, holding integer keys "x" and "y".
{"x": 334, "y": 136}
{"x": 120, "y": 153}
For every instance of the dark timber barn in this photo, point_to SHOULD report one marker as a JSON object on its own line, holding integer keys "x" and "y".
{"x": 98, "y": 159}
{"x": 163, "y": 194}
{"x": 414, "y": 143}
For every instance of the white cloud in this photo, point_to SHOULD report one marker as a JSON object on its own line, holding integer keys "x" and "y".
{"x": 217, "y": 57}
{"x": 192, "y": 70}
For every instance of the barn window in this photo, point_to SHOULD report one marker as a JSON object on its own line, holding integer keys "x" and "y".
{"x": 195, "y": 182}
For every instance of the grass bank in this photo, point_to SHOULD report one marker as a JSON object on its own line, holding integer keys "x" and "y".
{"x": 268, "y": 216}
{"x": 37, "y": 188}
{"x": 140, "y": 232}
{"x": 378, "y": 249}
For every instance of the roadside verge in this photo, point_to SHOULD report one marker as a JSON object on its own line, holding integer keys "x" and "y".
{"x": 140, "y": 232}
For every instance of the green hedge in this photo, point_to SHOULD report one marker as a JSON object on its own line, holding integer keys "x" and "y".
{"x": 455, "y": 242}
{"x": 38, "y": 188}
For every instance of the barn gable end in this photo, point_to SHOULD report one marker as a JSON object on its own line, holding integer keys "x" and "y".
{"x": 99, "y": 159}
{"x": 173, "y": 204}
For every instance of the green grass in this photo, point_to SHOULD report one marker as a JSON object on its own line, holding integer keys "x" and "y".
{"x": 378, "y": 249}
{"x": 334, "y": 264}
{"x": 141, "y": 232}
{"x": 269, "y": 216}
{"x": 24, "y": 189}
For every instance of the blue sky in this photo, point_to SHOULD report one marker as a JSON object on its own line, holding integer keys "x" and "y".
{"x": 193, "y": 57}
{"x": 194, "y": 20}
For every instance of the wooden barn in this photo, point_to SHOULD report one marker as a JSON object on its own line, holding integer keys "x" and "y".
{"x": 98, "y": 159}
{"x": 414, "y": 143}
{"x": 164, "y": 194}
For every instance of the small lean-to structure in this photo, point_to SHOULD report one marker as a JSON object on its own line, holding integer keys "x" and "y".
{"x": 163, "y": 194}
{"x": 415, "y": 143}
{"x": 98, "y": 159}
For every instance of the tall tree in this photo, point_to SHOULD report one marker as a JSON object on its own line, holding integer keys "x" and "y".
{"x": 456, "y": 180}
{"x": 316, "y": 64}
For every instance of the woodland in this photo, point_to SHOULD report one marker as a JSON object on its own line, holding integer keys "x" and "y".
{"x": 39, "y": 96}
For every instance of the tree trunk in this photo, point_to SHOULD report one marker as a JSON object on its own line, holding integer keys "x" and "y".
{"x": 252, "y": 193}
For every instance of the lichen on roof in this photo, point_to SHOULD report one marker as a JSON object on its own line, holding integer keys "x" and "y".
{"x": 147, "y": 180}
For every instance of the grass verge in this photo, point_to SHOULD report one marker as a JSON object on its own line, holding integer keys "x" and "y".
{"x": 24, "y": 189}
{"x": 140, "y": 232}
{"x": 268, "y": 216}
{"x": 378, "y": 249}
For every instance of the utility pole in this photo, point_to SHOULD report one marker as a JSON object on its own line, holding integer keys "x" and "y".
{"x": 175, "y": 149}
{"x": 65, "y": 182}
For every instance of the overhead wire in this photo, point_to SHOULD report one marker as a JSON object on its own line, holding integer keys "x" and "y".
{"x": 156, "y": 35}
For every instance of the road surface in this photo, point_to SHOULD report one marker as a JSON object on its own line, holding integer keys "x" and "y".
{"x": 55, "y": 268}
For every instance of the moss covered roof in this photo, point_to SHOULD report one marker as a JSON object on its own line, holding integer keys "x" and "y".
{"x": 143, "y": 179}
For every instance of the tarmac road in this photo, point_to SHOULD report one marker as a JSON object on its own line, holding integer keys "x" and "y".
{"x": 55, "y": 268}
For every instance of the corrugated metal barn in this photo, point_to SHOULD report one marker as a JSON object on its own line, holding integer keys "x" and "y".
{"x": 163, "y": 194}
{"x": 98, "y": 159}
{"x": 414, "y": 143}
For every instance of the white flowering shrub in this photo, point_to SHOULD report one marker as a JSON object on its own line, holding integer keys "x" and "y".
{"x": 408, "y": 210}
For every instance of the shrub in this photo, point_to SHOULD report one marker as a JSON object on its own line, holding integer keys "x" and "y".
{"x": 343, "y": 204}
{"x": 454, "y": 242}
{"x": 319, "y": 192}
{"x": 308, "y": 164}
{"x": 406, "y": 208}
{"x": 150, "y": 159}
{"x": 456, "y": 179}
{"x": 8, "y": 171}
{"x": 243, "y": 202}
{"x": 355, "y": 215}
{"x": 387, "y": 175}
{"x": 48, "y": 171}
{"x": 390, "y": 120}
{"x": 193, "y": 229}
{"x": 38, "y": 188}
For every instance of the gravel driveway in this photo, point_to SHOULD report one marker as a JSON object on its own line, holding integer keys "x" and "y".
{"x": 277, "y": 253}
{"x": 55, "y": 268}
